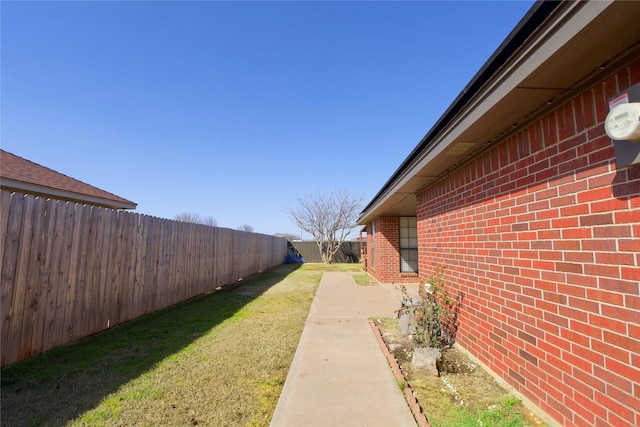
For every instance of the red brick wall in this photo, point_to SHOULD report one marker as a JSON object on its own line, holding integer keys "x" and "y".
{"x": 386, "y": 265}
{"x": 541, "y": 235}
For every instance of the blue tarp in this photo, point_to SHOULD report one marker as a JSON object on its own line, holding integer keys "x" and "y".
{"x": 294, "y": 259}
{"x": 293, "y": 256}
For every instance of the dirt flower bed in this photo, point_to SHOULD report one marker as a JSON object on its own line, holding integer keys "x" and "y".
{"x": 463, "y": 395}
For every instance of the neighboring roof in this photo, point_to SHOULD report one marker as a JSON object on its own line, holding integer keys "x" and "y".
{"x": 24, "y": 176}
{"x": 556, "y": 51}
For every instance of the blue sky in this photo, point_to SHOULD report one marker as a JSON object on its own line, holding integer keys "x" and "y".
{"x": 233, "y": 109}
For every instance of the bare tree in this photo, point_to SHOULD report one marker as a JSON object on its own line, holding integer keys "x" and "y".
{"x": 328, "y": 217}
{"x": 246, "y": 227}
{"x": 194, "y": 218}
{"x": 188, "y": 217}
{"x": 210, "y": 221}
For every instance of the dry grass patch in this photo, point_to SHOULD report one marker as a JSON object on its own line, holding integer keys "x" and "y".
{"x": 220, "y": 359}
{"x": 340, "y": 267}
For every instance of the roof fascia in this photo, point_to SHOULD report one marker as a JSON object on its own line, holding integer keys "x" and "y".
{"x": 545, "y": 31}
{"x": 24, "y": 187}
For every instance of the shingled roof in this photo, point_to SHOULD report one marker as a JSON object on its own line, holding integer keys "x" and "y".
{"x": 21, "y": 175}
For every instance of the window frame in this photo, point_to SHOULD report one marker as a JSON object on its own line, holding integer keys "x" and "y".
{"x": 372, "y": 250}
{"x": 408, "y": 244}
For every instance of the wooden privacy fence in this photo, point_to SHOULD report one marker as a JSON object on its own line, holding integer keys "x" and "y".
{"x": 71, "y": 270}
{"x": 349, "y": 251}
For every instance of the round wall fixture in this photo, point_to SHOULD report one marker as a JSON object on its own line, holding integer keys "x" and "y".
{"x": 623, "y": 122}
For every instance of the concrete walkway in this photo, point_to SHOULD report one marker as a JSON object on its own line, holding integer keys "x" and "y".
{"x": 339, "y": 375}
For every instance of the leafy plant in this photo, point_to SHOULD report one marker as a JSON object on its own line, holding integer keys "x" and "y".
{"x": 435, "y": 314}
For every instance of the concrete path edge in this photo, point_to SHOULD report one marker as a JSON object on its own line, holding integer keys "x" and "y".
{"x": 421, "y": 419}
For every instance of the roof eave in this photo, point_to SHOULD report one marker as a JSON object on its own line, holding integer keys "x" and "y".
{"x": 481, "y": 106}
{"x": 39, "y": 190}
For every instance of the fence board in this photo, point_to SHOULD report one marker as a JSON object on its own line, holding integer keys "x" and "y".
{"x": 92, "y": 297}
{"x": 120, "y": 277}
{"x": 128, "y": 259}
{"x": 80, "y": 306}
{"x": 71, "y": 298}
{"x": 153, "y": 264}
{"x": 104, "y": 288}
{"x": 221, "y": 259}
{"x": 9, "y": 262}
{"x": 114, "y": 265}
{"x": 186, "y": 255}
{"x": 85, "y": 267}
{"x": 92, "y": 294}
{"x": 16, "y": 330}
{"x": 145, "y": 238}
{"x": 163, "y": 268}
{"x": 21, "y": 330}
{"x": 146, "y": 278}
{"x": 44, "y": 276}
{"x": 5, "y": 202}
{"x": 32, "y": 285}
{"x": 63, "y": 274}
{"x": 217, "y": 243}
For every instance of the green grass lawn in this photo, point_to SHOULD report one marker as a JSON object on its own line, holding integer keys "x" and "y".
{"x": 363, "y": 279}
{"x": 219, "y": 359}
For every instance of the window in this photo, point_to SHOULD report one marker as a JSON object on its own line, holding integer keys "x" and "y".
{"x": 373, "y": 244}
{"x": 408, "y": 244}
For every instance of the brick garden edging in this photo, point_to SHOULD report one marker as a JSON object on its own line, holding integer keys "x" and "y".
{"x": 420, "y": 418}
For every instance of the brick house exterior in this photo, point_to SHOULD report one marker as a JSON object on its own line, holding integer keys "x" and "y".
{"x": 384, "y": 261}
{"x": 540, "y": 227}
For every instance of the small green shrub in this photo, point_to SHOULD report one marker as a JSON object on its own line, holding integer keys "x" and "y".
{"x": 434, "y": 315}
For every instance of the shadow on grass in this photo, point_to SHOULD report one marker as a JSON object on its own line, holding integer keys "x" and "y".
{"x": 62, "y": 384}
